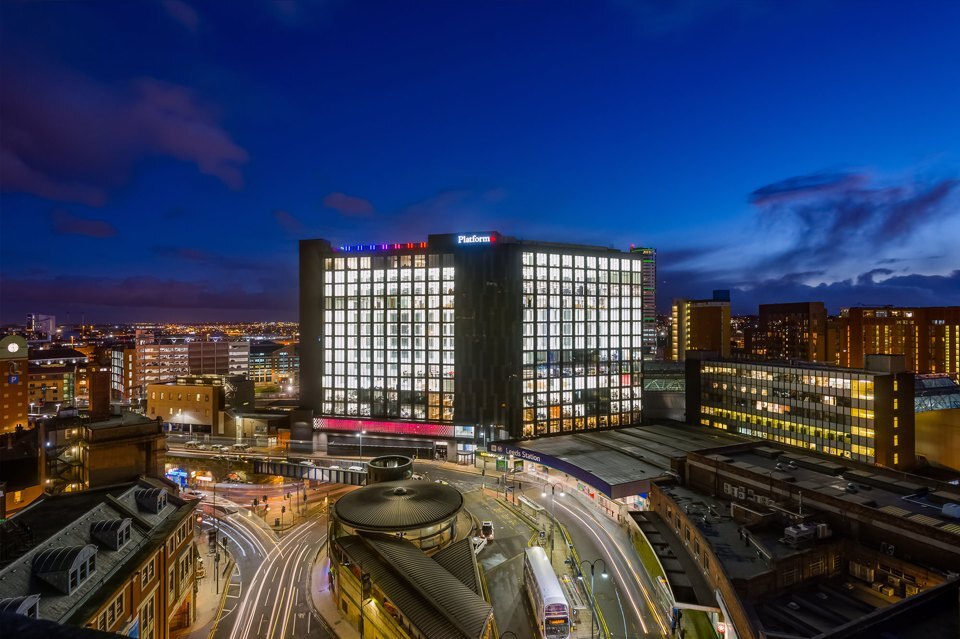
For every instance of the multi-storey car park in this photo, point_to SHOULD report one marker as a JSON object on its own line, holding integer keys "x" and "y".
{"x": 436, "y": 338}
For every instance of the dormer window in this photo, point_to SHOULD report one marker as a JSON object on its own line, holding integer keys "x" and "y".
{"x": 28, "y": 606}
{"x": 152, "y": 500}
{"x": 112, "y": 533}
{"x": 65, "y": 568}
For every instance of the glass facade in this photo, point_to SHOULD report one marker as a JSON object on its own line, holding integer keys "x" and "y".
{"x": 581, "y": 354}
{"x": 826, "y": 410}
{"x": 388, "y": 336}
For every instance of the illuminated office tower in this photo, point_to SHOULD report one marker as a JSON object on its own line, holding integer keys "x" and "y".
{"x": 434, "y": 338}
{"x": 648, "y": 274}
{"x": 701, "y": 325}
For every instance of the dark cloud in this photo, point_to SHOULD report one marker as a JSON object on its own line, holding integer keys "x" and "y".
{"x": 66, "y": 224}
{"x": 208, "y": 259}
{"x": 868, "y": 278}
{"x": 447, "y": 210}
{"x": 835, "y": 217}
{"x": 672, "y": 257}
{"x": 747, "y": 294}
{"x": 832, "y": 237}
{"x": 288, "y": 222}
{"x": 67, "y": 137}
{"x": 156, "y": 299}
{"x": 348, "y": 204}
{"x": 802, "y": 186}
{"x": 182, "y": 13}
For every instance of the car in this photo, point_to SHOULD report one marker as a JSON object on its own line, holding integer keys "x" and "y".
{"x": 851, "y": 488}
{"x": 193, "y": 443}
{"x": 358, "y": 469}
{"x": 479, "y": 543}
{"x": 793, "y": 605}
{"x": 441, "y": 481}
{"x": 416, "y": 476}
{"x": 307, "y": 462}
{"x": 241, "y": 447}
{"x": 486, "y": 529}
{"x": 334, "y": 467}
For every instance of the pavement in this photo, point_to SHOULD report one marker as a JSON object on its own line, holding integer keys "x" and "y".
{"x": 210, "y": 602}
{"x": 323, "y": 602}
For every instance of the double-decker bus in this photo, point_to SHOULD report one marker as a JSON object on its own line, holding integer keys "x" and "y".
{"x": 546, "y": 596}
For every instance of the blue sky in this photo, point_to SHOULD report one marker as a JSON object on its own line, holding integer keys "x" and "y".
{"x": 160, "y": 160}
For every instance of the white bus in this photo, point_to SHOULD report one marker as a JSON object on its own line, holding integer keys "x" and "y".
{"x": 546, "y": 595}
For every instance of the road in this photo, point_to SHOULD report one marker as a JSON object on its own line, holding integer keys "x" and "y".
{"x": 269, "y": 597}
{"x": 624, "y": 596}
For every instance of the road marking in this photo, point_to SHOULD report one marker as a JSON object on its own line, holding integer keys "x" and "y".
{"x": 617, "y": 568}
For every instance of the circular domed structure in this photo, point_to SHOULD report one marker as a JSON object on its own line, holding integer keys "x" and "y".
{"x": 421, "y": 512}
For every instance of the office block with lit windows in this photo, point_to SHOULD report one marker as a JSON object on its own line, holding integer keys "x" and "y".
{"x": 795, "y": 331}
{"x": 434, "y": 338}
{"x": 928, "y": 337}
{"x": 864, "y": 415}
{"x": 701, "y": 325}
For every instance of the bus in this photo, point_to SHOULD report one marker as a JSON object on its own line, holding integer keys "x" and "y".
{"x": 546, "y": 596}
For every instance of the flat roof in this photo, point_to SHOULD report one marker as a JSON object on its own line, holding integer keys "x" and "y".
{"x": 618, "y": 462}
{"x": 738, "y": 554}
{"x": 893, "y": 493}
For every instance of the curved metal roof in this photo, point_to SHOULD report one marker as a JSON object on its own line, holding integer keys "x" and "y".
{"x": 19, "y": 605}
{"x": 61, "y": 559}
{"x": 398, "y": 505}
{"x": 151, "y": 499}
{"x": 109, "y": 525}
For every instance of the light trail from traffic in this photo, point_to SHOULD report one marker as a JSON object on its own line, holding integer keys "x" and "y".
{"x": 637, "y": 579}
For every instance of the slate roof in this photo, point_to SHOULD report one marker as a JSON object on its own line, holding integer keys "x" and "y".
{"x": 61, "y": 525}
{"x": 438, "y": 603}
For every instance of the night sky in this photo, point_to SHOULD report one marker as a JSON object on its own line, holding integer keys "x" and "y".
{"x": 159, "y": 160}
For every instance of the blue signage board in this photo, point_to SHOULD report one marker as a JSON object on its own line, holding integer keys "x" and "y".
{"x": 553, "y": 462}
{"x": 13, "y": 379}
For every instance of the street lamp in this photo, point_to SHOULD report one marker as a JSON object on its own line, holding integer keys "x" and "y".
{"x": 360, "y": 435}
{"x": 553, "y": 511}
{"x": 593, "y": 597}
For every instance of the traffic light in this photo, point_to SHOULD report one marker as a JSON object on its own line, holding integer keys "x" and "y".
{"x": 255, "y": 502}
{"x": 264, "y": 499}
{"x": 283, "y": 509}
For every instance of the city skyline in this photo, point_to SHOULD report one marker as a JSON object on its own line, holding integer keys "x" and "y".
{"x": 167, "y": 171}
